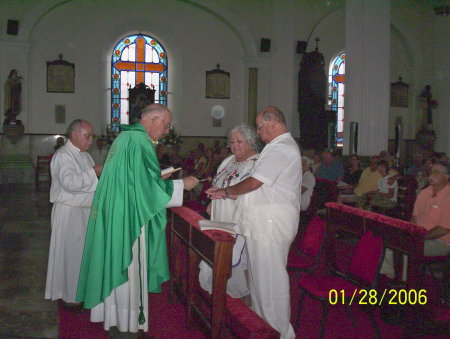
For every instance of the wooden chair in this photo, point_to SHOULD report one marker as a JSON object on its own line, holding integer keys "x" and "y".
{"x": 43, "y": 176}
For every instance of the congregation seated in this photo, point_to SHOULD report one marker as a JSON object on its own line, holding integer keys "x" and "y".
{"x": 385, "y": 197}
{"x": 368, "y": 181}
{"x": 417, "y": 166}
{"x": 384, "y": 155}
{"x": 315, "y": 157}
{"x": 330, "y": 169}
{"x": 422, "y": 176}
{"x": 431, "y": 211}
{"x": 351, "y": 176}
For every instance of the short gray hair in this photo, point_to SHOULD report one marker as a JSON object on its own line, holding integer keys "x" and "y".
{"x": 154, "y": 109}
{"x": 74, "y": 126}
{"x": 247, "y": 132}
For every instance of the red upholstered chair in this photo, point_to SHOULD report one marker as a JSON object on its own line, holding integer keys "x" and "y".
{"x": 305, "y": 256}
{"x": 362, "y": 274}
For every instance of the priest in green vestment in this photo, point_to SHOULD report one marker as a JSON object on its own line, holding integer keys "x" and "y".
{"x": 125, "y": 253}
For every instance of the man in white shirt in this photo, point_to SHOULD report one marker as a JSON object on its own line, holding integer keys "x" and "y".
{"x": 308, "y": 183}
{"x": 74, "y": 180}
{"x": 268, "y": 210}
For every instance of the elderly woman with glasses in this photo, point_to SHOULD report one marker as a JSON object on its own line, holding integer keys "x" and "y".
{"x": 242, "y": 141}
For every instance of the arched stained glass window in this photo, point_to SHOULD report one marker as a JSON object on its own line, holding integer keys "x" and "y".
{"x": 336, "y": 89}
{"x": 135, "y": 59}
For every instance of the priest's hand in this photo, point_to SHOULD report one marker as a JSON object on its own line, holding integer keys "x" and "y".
{"x": 98, "y": 169}
{"x": 190, "y": 182}
{"x": 166, "y": 176}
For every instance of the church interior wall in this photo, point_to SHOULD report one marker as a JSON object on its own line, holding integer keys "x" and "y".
{"x": 201, "y": 45}
{"x": 93, "y": 29}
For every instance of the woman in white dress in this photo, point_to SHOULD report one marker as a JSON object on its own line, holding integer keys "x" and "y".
{"x": 235, "y": 168}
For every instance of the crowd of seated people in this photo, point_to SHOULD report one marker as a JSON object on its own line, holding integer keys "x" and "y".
{"x": 376, "y": 188}
{"x": 365, "y": 186}
{"x": 201, "y": 162}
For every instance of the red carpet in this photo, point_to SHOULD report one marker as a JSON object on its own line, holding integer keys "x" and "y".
{"x": 168, "y": 320}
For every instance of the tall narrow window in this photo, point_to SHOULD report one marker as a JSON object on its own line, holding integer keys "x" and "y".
{"x": 136, "y": 59}
{"x": 336, "y": 89}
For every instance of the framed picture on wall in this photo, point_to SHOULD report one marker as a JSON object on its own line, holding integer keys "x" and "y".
{"x": 217, "y": 84}
{"x": 60, "y": 76}
{"x": 399, "y": 93}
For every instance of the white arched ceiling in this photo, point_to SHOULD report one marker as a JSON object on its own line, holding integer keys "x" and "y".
{"x": 236, "y": 25}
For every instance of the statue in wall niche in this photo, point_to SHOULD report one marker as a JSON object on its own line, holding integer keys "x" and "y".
{"x": 426, "y": 136}
{"x": 13, "y": 128}
{"x": 13, "y": 97}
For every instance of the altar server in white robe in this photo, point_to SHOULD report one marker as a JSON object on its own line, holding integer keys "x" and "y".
{"x": 74, "y": 180}
{"x": 267, "y": 213}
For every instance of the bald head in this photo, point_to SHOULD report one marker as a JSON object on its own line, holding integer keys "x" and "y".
{"x": 157, "y": 120}
{"x": 270, "y": 123}
{"x": 273, "y": 113}
{"x": 81, "y": 134}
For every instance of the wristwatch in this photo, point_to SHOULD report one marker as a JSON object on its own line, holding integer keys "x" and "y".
{"x": 227, "y": 195}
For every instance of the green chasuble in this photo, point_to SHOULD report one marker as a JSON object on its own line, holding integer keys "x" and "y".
{"x": 129, "y": 195}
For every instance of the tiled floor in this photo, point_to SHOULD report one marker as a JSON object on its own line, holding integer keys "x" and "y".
{"x": 24, "y": 241}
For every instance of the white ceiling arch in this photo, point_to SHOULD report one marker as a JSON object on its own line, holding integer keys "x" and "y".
{"x": 41, "y": 8}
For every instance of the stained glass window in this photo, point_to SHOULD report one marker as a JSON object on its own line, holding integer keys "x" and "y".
{"x": 135, "y": 59}
{"x": 336, "y": 89}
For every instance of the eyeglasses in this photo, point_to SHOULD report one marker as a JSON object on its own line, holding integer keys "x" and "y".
{"x": 167, "y": 125}
{"x": 258, "y": 127}
{"x": 88, "y": 135}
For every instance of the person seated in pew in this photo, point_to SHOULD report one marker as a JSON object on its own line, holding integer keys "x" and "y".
{"x": 235, "y": 168}
{"x": 308, "y": 183}
{"x": 417, "y": 165}
{"x": 368, "y": 181}
{"x": 422, "y": 177}
{"x": 385, "y": 197}
{"x": 315, "y": 156}
{"x": 351, "y": 177}
{"x": 432, "y": 212}
{"x": 329, "y": 168}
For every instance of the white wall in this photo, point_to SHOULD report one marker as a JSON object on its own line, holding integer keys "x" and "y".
{"x": 198, "y": 34}
{"x": 193, "y": 46}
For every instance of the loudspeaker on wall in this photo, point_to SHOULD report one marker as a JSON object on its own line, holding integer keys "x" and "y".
{"x": 265, "y": 45}
{"x": 12, "y": 27}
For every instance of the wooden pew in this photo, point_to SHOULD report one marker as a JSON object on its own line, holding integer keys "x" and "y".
{"x": 220, "y": 313}
{"x": 398, "y": 235}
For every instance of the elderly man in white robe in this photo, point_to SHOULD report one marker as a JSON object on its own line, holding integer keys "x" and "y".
{"x": 74, "y": 180}
{"x": 268, "y": 210}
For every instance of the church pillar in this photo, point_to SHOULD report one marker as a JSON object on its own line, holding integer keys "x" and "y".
{"x": 367, "y": 39}
{"x": 282, "y": 50}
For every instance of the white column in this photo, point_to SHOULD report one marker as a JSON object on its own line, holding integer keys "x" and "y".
{"x": 367, "y": 87}
{"x": 282, "y": 52}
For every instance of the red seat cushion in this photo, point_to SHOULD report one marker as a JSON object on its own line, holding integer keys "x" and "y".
{"x": 320, "y": 286}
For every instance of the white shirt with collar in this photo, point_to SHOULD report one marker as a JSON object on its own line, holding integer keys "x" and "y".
{"x": 271, "y": 213}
